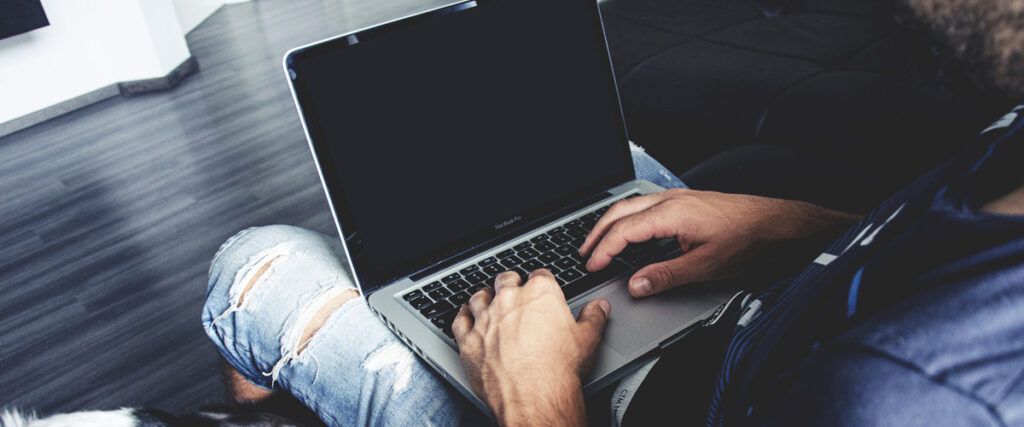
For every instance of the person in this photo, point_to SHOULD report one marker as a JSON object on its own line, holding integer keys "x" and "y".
{"x": 911, "y": 317}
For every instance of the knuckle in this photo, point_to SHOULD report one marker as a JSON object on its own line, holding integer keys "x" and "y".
{"x": 666, "y": 277}
{"x": 479, "y": 295}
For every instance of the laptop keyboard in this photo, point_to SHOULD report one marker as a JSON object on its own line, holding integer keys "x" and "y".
{"x": 556, "y": 250}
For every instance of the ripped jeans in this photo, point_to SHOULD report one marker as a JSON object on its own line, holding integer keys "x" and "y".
{"x": 266, "y": 284}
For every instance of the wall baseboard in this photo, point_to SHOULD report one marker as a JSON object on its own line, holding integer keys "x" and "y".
{"x": 171, "y": 79}
{"x": 188, "y": 67}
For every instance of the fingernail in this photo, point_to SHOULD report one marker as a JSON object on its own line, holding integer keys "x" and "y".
{"x": 642, "y": 286}
{"x": 605, "y": 306}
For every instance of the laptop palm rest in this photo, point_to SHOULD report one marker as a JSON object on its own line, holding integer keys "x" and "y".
{"x": 637, "y": 323}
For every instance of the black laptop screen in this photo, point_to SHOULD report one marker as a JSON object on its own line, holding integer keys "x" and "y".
{"x": 440, "y": 132}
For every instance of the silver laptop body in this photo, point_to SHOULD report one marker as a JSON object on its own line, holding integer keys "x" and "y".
{"x": 637, "y": 329}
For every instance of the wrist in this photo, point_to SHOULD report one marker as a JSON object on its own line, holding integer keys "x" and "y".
{"x": 554, "y": 400}
{"x": 799, "y": 221}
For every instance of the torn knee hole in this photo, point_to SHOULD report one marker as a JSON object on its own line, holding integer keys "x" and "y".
{"x": 252, "y": 280}
{"x": 321, "y": 315}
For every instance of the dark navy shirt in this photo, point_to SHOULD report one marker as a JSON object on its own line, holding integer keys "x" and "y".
{"x": 914, "y": 317}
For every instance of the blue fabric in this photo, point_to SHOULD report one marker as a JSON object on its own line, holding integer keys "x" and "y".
{"x": 265, "y": 283}
{"x": 919, "y": 321}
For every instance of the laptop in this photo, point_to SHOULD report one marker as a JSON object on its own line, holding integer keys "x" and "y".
{"x": 472, "y": 139}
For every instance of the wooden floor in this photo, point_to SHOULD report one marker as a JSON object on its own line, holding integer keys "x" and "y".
{"x": 109, "y": 215}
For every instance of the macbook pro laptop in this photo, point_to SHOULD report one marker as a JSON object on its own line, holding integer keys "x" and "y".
{"x": 472, "y": 139}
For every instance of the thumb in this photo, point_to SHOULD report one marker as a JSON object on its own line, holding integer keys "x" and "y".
{"x": 594, "y": 316}
{"x": 689, "y": 267}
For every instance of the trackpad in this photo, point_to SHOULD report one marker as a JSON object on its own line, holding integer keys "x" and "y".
{"x": 637, "y": 322}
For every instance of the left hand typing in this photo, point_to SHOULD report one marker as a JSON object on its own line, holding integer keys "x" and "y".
{"x": 525, "y": 353}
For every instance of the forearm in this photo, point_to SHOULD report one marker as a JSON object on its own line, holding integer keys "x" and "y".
{"x": 796, "y": 221}
{"x": 791, "y": 238}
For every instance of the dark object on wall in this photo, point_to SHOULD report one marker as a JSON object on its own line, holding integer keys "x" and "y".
{"x": 21, "y": 16}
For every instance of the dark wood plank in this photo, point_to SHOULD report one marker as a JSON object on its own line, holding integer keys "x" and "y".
{"x": 110, "y": 214}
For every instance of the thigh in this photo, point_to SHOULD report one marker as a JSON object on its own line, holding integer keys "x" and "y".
{"x": 266, "y": 284}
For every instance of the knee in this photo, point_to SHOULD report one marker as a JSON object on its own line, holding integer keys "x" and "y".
{"x": 251, "y": 240}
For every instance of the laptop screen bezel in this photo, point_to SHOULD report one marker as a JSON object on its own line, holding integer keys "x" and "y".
{"x": 348, "y": 230}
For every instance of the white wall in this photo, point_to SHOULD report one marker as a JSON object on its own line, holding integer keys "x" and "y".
{"x": 88, "y": 45}
{"x": 191, "y": 13}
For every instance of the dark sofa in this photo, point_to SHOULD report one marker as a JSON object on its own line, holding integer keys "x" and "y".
{"x": 836, "y": 93}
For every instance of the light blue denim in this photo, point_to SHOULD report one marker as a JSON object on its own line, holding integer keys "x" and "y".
{"x": 352, "y": 371}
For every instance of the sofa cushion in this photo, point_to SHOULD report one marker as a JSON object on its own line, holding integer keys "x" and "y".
{"x": 837, "y": 78}
{"x": 684, "y": 17}
{"x": 810, "y": 36}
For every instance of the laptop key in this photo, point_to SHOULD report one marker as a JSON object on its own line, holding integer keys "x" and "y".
{"x": 506, "y": 253}
{"x": 555, "y": 231}
{"x": 412, "y": 295}
{"x": 544, "y": 246}
{"x": 476, "y": 277}
{"x": 511, "y": 261}
{"x": 565, "y": 250}
{"x": 475, "y": 288}
{"x": 487, "y": 261}
{"x": 459, "y": 299}
{"x": 468, "y": 270}
{"x": 573, "y": 223}
{"x": 444, "y": 322}
{"x": 576, "y": 232}
{"x": 539, "y": 239}
{"x": 593, "y": 279}
{"x": 436, "y": 308}
{"x": 451, "y": 278}
{"x": 531, "y": 265}
{"x": 432, "y": 286}
{"x": 569, "y": 275}
{"x": 565, "y": 263}
{"x": 554, "y": 270}
{"x": 522, "y": 246}
{"x": 560, "y": 239}
{"x": 493, "y": 270}
{"x": 548, "y": 257}
{"x": 527, "y": 253}
{"x": 420, "y": 302}
{"x": 582, "y": 268}
{"x": 458, "y": 285}
{"x": 439, "y": 294}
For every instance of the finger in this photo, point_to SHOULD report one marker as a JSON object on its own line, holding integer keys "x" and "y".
{"x": 462, "y": 324}
{"x": 505, "y": 280}
{"x": 654, "y": 223}
{"x": 479, "y": 302}
{"x": 592, "y": 320}
{"x": 696, "y": 265}
{"x": 542, "y": 280}
{"x": 620, "y": 209}
{"x": 540, "y": 272}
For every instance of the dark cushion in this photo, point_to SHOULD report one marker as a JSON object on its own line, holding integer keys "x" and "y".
{"x": 836, "y": 78}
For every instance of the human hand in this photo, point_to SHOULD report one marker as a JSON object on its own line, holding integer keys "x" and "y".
{"x": 720, "y": 234}
{"x": 524, "y": 352}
